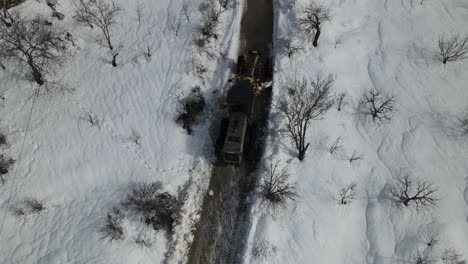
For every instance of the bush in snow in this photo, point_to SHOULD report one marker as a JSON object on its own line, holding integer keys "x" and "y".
{"x": 313, "y": 16}
{"x": 340, "y": 100}
{"x": 264, "y": 250}
{"x": 355, "y": 156}
{"x": 347, "y": 193}
{"x": 34, "y": 205}
{"x": 451, "y": 256}
{"x": 143, "y": 242}
{"x": 407, "y": 190}
{"x": 5, "y": 166}
{"x": 431, "y": 238}
{"x": 112, "y": 229}
{"x": 379, "y": 106}
{"x": 3, "y": 139}
{"x": 303, "y": 102}
{"x": 275, "y": 188}
{"x": 422, "y": 258}
{"x": 335, "y": 146}
{"x": 155, "y": 206}
{"x": 33, "y": 43}
{"x": 463, "y": 123}
{"x": 190, "y": 108}
{"x": 452, "y": 49}
{"x": 27, "y": 207}
{"x": 290, "y": 47}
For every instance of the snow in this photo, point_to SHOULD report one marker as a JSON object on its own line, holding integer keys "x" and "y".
{"x": 82, "y": 171}
{"x": 390, "y": 46}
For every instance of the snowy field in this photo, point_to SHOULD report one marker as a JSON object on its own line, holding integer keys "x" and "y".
{"x": 81, "y": 170}
{"x": 388, "y": 45}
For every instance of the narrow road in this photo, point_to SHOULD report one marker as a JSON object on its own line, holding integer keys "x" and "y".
{"x": 221, "y": 233}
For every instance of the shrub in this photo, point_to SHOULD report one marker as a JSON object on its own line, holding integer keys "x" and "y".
{"x": 3, "y": 139}
{"x": 155, "y": 206}
{"x": 190, "y": 108}
{"x": 112, "y": 229}
{"x": 5, "y": 166}
{"x": 275, "y": 188}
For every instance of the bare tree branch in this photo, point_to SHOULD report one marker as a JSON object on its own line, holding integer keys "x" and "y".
{"x": 275, "y": 188}
{"x": 419, "y": 192}
{"x": 335, "y": 146}
{"x": 347, "y": 193}
{"x": 303, "y": 102}
{"x": 99, "y": 13}
{"x": 379, "y": 106}
{"x": 311, "y": 20}
{"x": 33, "y": 43}
{"x": 452, "y": 49}
{"x": 355, "y": 156}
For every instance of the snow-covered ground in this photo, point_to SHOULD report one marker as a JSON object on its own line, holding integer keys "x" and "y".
{"x": 80, "y": 170}
{"x": 388, "y": 45}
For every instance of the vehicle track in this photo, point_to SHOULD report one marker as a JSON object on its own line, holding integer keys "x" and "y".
{"x": 221, "y": 233}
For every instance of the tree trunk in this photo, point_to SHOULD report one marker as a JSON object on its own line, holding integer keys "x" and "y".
{"x": 406, "y": 202}
{"x": 301, "y": 155}
{"x": 37, "y": 75}
{"x": 302, "y": 152}
{"x": 114, "y": 60}
{"x": 316, "y": 37}
{"x": 110, "y": 44}
{"x": 445, "y": 60}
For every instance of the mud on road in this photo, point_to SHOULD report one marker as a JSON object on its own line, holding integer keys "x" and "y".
{"x": 221, "y": 233}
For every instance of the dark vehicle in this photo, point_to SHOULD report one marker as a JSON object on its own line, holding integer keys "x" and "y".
{"x": 240, "y": 100}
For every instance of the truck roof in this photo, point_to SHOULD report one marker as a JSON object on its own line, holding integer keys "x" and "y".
{"x": 235, "y": 135}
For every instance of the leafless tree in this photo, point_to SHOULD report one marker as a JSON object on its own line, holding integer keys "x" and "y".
{"x": 422, "y": 258}
{"x": 275, "y": 187}
{"x": 407, "y": 190}
{"x": 313, "y": 16}
{"x": 451, "y": 256}
{"x": 303, "y": 102}
{"x": 99, "y": 13}
{"x": 341, "y": 100}
{"x": 290, "y": 47}
{"x": 452, "y": 49}
{"x": 379, "y": 106}
{"x": 139, "y": 10}
{"x": 347, "y": 193}
{"x": 5, "y": 166}
{"x": 355, "y": 156}
{"x": 335, "y": 146}
{"x": 34, "y": 44}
